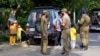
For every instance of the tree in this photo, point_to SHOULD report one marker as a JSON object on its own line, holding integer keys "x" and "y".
{"x": 27, "y": 5}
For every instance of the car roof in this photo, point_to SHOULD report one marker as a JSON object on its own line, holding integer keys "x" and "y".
{"x": 44, "y": 7}
{"x": 96, "y": 9}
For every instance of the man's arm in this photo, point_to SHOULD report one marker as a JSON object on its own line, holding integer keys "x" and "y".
{"x": 22, "y": 29}
{"x": 81, "y": 21}
{"x": 42, "y": 23}
{"x": 75, "y": 32}
{"x": 63, "y": 22}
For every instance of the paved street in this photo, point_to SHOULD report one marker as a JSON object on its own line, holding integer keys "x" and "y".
{"x": 94, "y": 49}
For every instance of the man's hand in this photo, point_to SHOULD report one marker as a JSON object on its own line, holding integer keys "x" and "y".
{"x": 19, "y": 5}
{"x": 24, "y": 31}
{"x": 44, "y": 35}
{"x": 62, "y": 24}
{"x": 78, "y": 21}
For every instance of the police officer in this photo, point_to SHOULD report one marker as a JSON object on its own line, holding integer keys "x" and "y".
{"x": 44, "y": 27}
{"x": 65, "y": 25}
{"x": 84, "y": 29}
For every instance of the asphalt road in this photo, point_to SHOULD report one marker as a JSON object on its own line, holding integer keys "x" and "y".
{"x": 94, "y": 49}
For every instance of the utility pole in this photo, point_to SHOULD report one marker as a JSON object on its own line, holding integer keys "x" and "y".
{"x": 74, "y": 17}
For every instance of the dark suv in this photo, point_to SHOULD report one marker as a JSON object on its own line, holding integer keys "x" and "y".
{"x": 95, "y": 19}
{"x": 33, "y": 29}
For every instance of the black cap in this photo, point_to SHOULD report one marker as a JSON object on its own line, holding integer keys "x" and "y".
{"x": 83, "y": 11}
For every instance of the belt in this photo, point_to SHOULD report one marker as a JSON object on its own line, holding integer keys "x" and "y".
{"x": 64, "y": 28}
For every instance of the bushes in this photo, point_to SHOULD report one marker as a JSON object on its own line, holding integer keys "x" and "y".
{"x": 4, "y": 37}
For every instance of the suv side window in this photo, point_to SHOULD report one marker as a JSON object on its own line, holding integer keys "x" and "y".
{"x": 56, "y": 14}
{"x": 37, "y": 21}
{"x": 31, "y": 19}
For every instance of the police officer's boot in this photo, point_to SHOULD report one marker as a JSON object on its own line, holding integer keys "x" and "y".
{"x": 85, "y": 48}
{"x": 45, "y": 53}
{"x": 81, "y": 46}
{"x": 67, "y": 53}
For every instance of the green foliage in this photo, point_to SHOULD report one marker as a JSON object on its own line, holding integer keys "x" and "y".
{"x": 70, "y": 4}
{"x": 22, "y": 21}
{"x": 14, "y": 2}
{"x": 23, "y": 12}
{"x": 4, "y": 3}
{"x": 27, "y": 5}
{"x": 4, "y": 37}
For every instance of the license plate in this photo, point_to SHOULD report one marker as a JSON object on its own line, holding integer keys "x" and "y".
{"x": 97, "y": 28}
{"x": 37, "y": 36}
{"x": 31, "y": 29}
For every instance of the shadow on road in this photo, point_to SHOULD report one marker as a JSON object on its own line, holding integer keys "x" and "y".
{"x": 52, "y": 52}
{"x": 38, "y": 42}
{"x": 94, "y": 39}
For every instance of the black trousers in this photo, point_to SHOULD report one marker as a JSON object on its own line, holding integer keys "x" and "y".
{"x": 58, "y": 38}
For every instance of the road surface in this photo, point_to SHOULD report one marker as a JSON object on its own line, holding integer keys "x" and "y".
{"x": 94, "y": 49}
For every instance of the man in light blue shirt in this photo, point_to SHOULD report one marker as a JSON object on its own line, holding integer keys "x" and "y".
{"x": 56, "y": 23}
